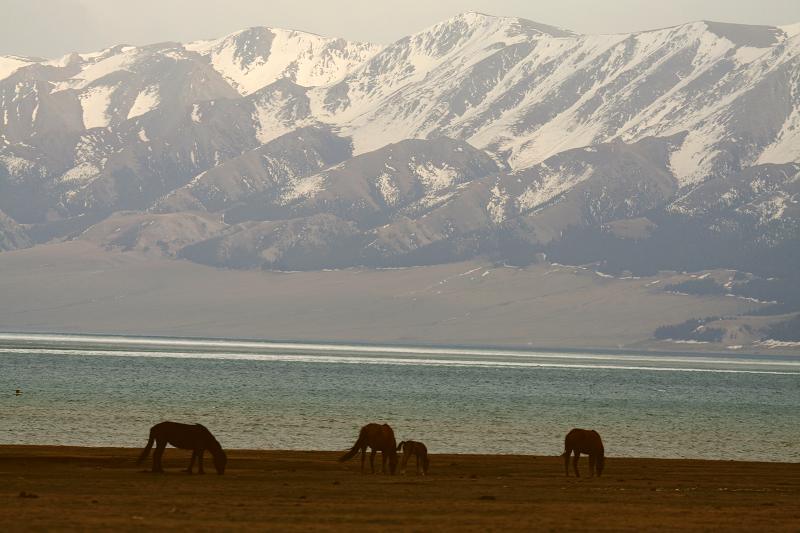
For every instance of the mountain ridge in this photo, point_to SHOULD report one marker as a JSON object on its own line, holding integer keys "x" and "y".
{"x": 291, "y": 132}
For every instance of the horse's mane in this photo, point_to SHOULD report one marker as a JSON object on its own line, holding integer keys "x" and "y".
{"x": 214, "y": 445}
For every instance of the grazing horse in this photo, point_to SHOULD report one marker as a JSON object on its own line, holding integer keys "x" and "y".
{"x": 193, "y": 437}
{"x": 381, "y": 439}
{"x": 418, "y": 450}
{"x": 586, "y": 441}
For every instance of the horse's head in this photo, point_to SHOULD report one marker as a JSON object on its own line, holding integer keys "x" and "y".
{"x": 601, "y": 463}
{"x": 220, "y": 460}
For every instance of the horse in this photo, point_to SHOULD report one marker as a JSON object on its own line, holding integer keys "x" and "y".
{"x": 195, "y": 437}
{"x": 418, "y": 450}
{"x": 586, "y": 441}
{"x": 381, "y": 439}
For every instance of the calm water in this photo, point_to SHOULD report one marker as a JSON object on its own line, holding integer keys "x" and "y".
{"x": 109, "y": 391}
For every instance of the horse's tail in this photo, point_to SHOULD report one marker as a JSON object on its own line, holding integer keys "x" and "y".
{"x": 400, "y": 446}
{"x": 566, "y": 445}
{"x": 147, "y": 448}
{"x": 357, "y": 446}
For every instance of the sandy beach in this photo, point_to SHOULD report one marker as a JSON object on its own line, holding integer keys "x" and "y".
{"x": 69, "y": 488}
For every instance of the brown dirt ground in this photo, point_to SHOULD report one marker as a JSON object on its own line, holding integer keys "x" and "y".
{"x": 102, "y": 488}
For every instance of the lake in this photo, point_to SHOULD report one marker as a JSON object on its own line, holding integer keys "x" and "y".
{"x": 108, "y": 391}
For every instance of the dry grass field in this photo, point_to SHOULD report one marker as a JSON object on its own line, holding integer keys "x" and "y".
{"x": 54, "y": 488}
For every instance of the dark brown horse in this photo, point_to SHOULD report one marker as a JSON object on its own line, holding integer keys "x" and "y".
{"x": 187, "y": 437}
{"x": 586, "y": 441}
{"x": 416, "y": 449}
{"x": 380, "y": 438}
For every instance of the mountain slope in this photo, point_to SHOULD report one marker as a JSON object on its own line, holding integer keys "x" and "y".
{"x": 327, "y": 219}
{"x": 12, "y": 235}
{"x": 477, "y": 136}
{"x": 272, "y": 168}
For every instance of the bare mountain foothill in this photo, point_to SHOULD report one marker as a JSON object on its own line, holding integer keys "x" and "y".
{"x": 80, "y": 287}
{"x": 662, "y": 165}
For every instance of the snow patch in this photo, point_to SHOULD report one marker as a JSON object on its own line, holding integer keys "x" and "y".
{"x": 102, "y": 66}
{"x": 748, "y": 54}
{"x": 771, "y": 208}
{"x": 95, "y": 103}
{"x": 693, "y": 161}
{"x": 791, "y": 29}
{"x": 10, "y": 64}
{"x": 786, "y": 147}
{"x": 146, "y": 101}
{"x": 82, "y": 173}
{"x": 435, "y": 178}
{"x": 17, "y": 167}
{"x": 271, "y": 120}
{"x": 498, "y": 204}
{"x": 307, "y": 59}
{"x": 64, "y": 61}
{"x": 550, "y": 184}
{"x": 196, "y": 115}
{"x": 771, "y": 343}
{"x": 431, "y": 201}
{"x": 304, "y": 188}
{"x": 388, "y": 189}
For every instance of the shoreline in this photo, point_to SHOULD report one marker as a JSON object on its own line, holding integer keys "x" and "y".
{"x": 102, "y": 488}
{"x": 693, "y": 350}
{"x": 79, "y": 450}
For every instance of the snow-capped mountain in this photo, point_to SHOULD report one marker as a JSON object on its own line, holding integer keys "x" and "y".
{"x": 479, "y": 135}
{"x": 256, "y": 57}
{"x": 528, "y": 93}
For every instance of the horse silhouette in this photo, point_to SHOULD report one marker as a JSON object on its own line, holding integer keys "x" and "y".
{"x": 193, "y": 437}
{"x": 586, "y": 441}
{"x": 417, "y": 449}
{"x": 381, "y": 439}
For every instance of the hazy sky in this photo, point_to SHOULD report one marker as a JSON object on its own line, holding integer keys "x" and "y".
{"x": 51, "y": 28}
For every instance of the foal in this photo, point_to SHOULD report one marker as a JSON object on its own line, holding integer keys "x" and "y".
{"x": 418, "y": 450}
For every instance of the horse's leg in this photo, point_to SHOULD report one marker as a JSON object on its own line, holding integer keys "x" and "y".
{"x": 566, "y": 461}
{"x": 372, "y": 460}
{"x": 591, "y": 464}
{"x": 417, "y": 464}
{"x": 200, "y": 461}
{"x": 575, "y": 463}
{"x": 160, "y": 445}
{"x": 363, "y": 456}
{"x": 191, "y": 462}
{"x": 403, "y": 463}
